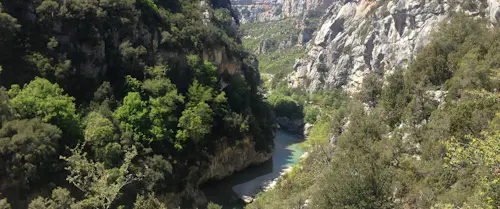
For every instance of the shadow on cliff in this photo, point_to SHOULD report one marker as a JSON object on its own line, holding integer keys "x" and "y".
{"x": 250, "y": 180}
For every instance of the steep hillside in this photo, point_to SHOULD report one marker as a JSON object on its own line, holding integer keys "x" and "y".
{"x": 357, "y": 38}
{"x": 279, "y": 38}
{"x": 267, "y": 10}
{"x": 108, "y": 102}
{"x": 427, "y": 136}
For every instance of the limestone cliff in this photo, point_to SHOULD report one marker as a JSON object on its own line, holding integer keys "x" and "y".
{"x": 232, "y": 158}
{"x": 266, "y": 11}
{"x": 363, "y": 36}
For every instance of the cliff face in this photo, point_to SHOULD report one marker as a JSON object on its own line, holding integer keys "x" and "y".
{"x": 266, "y": 11}
{"x": 294, "y": 8}
{"x": 230, "y": 159}
{"x": 361, "y": 37}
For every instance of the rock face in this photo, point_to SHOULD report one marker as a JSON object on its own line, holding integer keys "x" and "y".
{"x": 266, "y": 11}
{"x": 232, "y": 158}
{"x": 293, "y": 8}
{"x": 294, "y": 126}
{"x": 367, "y": 36}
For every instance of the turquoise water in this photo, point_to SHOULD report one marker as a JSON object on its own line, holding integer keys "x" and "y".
{"x": 249, "y": 181}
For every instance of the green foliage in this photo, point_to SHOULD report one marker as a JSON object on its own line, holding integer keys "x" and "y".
{"x": 204, "y": 71}
{"x": 286, "y": 106}
{"x": 4, "y": 204}
{"x": 212, "y": 205}
{"x": 127, "y": 65}
{"x": 101, "y": 186}
{"x": 148, "y": 202}
{"x": 29, "y": 149}
{"x": 163, "y": 103}
{"x": 311, "y": 114}
{"x": 98, "y": 129}
{"x": 101, "y": 135}
{"x": 133, "y": 115}
{"x": 263, "y": 39}
{"x": 371, "y": 89}
{"x": 280, "y": 61}
{"x": 5, "y": 112}
{"x": 44, "y": 100}
{"x": 194, "y": 124}
{"x": 198, "y": 93}
{"x": 47, "y": 66}
{"x": 132, "y": 84}
{"x": 393, "y": 98}
{"x": 8, "y": 28}
{"x": 440, "y": 58}
{"x": 429, "y": 138}
{"x": 60, "y": 199}
{"x": 354, "y": 181}
{"x": 480, "y": 153}
{"x": 158, "y": 174}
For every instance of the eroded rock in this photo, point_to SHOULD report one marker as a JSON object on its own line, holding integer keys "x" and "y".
{"x": 361, "y": 37}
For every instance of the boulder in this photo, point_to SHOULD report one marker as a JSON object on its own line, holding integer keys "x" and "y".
{"x": 246, "y": 199}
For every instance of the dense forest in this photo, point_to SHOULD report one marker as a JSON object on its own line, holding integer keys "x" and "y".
{"x": 120, "y": 103}
{"x": 423, "y": 137}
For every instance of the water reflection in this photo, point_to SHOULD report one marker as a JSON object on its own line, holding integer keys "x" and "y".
{"x": 248, "y": 182}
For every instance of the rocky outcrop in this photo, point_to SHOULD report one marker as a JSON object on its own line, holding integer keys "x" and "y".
{"x": 367, "y": 36}
{"x": 494, "y": 10}
{"x": 232, "y": 158}
{"x": 223, "y": 60}
{"x": 293, "y": 126}
{"x": 266, "y": 11}
{"x": 294, "y": 8}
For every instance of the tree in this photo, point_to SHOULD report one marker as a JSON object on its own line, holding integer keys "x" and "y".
{"x": 354, "y": 180}
{"x": 47, "y": 101}
{"x": 5, "y": 113}
{"x": 204, "y": 71}
{"x": 101, "y": 186}
{"x": 194, "y": 124}
{"x": 370, "y": 89}
{"x": 148, "y": 202}
{"x": 8, "y": 30}
{"x": 4, "y": 204}
{"x": 163, "y": 104}
{"x": 133, "y": 115}
{"x": 286, "y": 106}
{"x": 481, "y": 153}
{"x": 199, "y": 93}
{"x": 212, "y": 205}
{"x": 100, "y": 135}
{"x": 393, "y": 98}
{"x": 60, "y": 199}
{"x": 29, "y": 152}
{"x": 132, "y": 84}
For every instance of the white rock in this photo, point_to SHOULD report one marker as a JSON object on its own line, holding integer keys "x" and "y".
{"x": 348, "y": 46}
{"x": 246, "y": 199}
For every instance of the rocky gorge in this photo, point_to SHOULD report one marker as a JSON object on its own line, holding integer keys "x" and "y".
{"x": 357, "y": 38}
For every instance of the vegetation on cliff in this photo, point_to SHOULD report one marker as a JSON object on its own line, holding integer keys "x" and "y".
{"x": 109, "y": 102}
{"x": 426, "y": 137}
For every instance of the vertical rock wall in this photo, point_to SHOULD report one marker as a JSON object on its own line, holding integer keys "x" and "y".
{"x": 366, "y": 36}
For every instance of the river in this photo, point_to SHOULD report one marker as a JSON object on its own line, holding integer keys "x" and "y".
{"x": 249, "y": 181}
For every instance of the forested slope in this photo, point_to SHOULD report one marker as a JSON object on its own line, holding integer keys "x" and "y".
{"x": 426, "y": 136}
{"x": 104, "y": 101}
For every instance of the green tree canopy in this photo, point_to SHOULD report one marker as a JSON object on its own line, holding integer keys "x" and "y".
{"x": 42, "y": 99}
{"x": 133, "y": 115}
{"x": 59, "y": 199}
{"x": 29, "y": 150}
